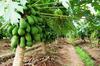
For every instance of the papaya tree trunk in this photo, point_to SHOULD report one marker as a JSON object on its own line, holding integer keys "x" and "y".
{"x": 44, "y": 48}
{"x": 19, "y": 56}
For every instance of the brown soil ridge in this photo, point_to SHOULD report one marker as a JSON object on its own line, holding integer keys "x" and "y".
{"x": 73, "y": 57}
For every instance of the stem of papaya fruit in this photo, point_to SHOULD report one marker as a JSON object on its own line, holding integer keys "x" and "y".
{"x": 19, "y": 56}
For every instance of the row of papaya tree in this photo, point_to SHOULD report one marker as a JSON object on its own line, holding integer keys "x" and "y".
{"x": 28, "y": 22}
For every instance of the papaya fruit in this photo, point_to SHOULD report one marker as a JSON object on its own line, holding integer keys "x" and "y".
{"x": 37, "y": 37}
{"x": 28, "y": 37}
{"x": 35, "y": 19}
{"x": 30, "y": 20}
{"x": 14, "y": 41}
{"x": 39, "y": 29}
{"x": 23, "y": 24}
{"x": 22, "y": 42}
{"x": 40, "y": 19}
{"x": 34, "y": 30}
{"x": 29, "y": 43}
{"x": 21, "y": 31}
{"x": 10, "y": 28}
{"x": 15, "y": 31}
{"x": 28, "y": 29}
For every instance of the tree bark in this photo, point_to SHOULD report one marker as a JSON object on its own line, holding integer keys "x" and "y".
{"x": 44, "y": 48}
{"x": 19, "y": 56}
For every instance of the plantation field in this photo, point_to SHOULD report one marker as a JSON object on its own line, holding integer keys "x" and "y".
{"x": 58, "y": 53}
{"x": 49, "y": 32}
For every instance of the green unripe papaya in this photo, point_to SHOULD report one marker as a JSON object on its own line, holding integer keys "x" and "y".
{"x": 21, "y": 31}
{"x": 14, "y": 41}
{"x": 28, "y": 37}
{"x": 10, "y": 28}
{"x": 39, "y": 29}
{"x": 23, "y": 24}
{"x": 30, "y": 20}
{"x": 34, "y": 30}
{"x": 22, "y": 42}
{"x": 40, "y": 19}
{"x": 37, "y": 37}
{"x": 28, "y": 29}
{"x": 35, "y": 19}
{"x": 29, "y": 43}
{"x": 15, "y": 31}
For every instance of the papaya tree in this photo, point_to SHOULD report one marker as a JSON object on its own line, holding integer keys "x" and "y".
{"x": 32, "y": 21}
{"x": 26, "y": 25}
{"x": 9, "y": 12}
{"x": 85, "y": 19}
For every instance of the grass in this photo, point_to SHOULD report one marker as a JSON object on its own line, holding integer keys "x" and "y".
{"x": 84, "y": 57}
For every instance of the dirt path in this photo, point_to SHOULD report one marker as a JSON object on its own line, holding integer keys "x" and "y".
{"x": 74, "y": 59}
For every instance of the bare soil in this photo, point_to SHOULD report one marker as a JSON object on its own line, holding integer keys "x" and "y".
{"x": 5, "y": 47}
{"x": 58, "y": 53}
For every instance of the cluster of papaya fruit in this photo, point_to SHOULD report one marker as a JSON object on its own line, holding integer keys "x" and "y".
{"x": 31, "y": 29}
{"x": 25, "y": 32}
